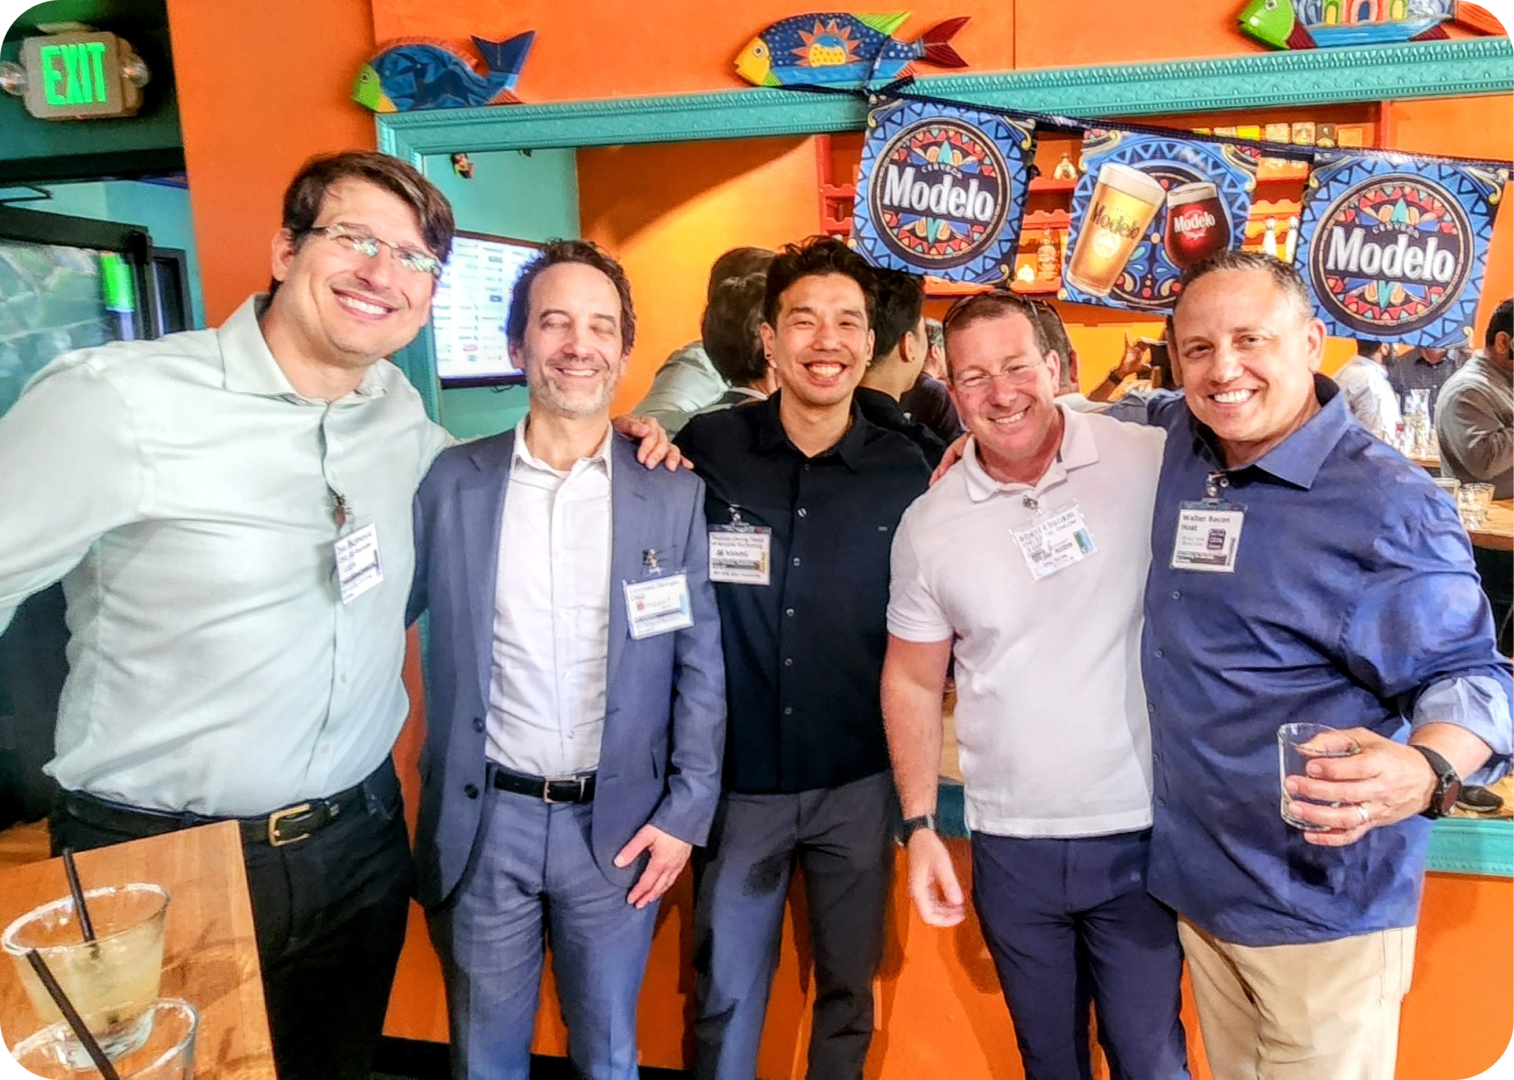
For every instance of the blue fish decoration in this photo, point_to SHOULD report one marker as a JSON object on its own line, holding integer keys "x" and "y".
{"x": 413, "y": 75}
{"x": 836, "y": 49}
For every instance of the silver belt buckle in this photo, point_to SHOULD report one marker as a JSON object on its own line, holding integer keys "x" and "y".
{"x": 546, "y": 787}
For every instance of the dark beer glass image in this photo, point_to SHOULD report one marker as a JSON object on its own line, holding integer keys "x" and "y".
{"x": 1196, "y": 224}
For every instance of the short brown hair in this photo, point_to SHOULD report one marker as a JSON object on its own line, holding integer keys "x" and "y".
{"x": 817, "y": 257}
{"x": 307, "y": 191}
{"x": 738, "y": 263}
{"x": 901, "y": 300}
{"x": 1056, "y": 338}
{"x": 730, "y": 332}
{"x": 1285, "y": 278}
{"x": 554, "y": 253}
{"x": 993, "y": 304}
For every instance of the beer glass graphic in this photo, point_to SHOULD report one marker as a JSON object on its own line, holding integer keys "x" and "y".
{"x": 1196, "y": 224}
{"x": 1125, "y": 200}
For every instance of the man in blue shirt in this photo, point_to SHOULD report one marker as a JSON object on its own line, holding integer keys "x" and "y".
{"x": 1301, "y": 570}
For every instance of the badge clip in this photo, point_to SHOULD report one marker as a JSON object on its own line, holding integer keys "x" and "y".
{"x": 649, "y": 563}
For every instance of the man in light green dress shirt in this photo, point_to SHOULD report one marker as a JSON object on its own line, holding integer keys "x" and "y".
{"x": 230, "y": 513}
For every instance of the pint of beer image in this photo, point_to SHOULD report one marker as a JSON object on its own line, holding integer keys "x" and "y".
{"x": 1196, "y": 224}
{"x": 1124, "y": 202}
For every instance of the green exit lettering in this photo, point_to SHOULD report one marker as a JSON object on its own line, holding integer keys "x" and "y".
{"x": 82, "y": 73}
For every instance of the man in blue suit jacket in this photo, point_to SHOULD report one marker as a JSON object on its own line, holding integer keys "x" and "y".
{"x": 577, "y": 691}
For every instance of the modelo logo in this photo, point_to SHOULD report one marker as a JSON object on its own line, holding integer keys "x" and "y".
{"x": 1392, "y": 253}
{"x": 939, "y": 193}
{"x": 1193, "y": 220}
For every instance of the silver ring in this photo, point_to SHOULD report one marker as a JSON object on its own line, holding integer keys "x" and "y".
{"x": 1361, "y": 808}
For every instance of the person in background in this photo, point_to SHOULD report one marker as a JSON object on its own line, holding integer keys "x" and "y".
{"x": 1033, "y": 552}
{"x": 1475, "y": 428}
{"x": 687, "y": 381}
{"x": 732, "y": 334}
{"x": 197, "y": 495}
{"x": 1424, "y": 369}
{"x": 572, "y": 628}
{"x": 1294, "y": 561}
{"x": 935, "y": 354}
{"x": 1369, "y": 395}
{"x": 1055, "y": 332}
{"x": 898, "y": 362}
{"x": 804, "y": 494}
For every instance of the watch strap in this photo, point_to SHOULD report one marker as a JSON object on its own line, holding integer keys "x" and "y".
{"x": 915, "y": 824}
{"x": 1447, "y": 784}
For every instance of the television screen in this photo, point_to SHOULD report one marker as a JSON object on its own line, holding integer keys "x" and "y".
{"x": 471, "y": 306}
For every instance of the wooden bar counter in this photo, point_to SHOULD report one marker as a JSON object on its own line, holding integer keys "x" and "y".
{"x": 210, "y": 956}
{"x": 1497, "y": 531}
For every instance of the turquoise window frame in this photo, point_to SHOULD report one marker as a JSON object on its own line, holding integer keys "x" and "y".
{"x": 1302, "y": 78}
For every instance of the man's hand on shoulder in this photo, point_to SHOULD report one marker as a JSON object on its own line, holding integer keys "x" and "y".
{"x": 656, "y": 448}
{"x": 953, "y": 455}
{"x": 669, "y": 855}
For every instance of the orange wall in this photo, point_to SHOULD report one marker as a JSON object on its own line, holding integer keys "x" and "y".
{"x": 261, "y": 88}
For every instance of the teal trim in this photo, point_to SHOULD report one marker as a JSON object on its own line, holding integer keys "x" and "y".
{"x": 1468, "y": 846}
{"x": 1305, "y": 77}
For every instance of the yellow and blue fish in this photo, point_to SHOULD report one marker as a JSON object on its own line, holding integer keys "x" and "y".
{"x": 1309, "y": 24}
{"x": 409, "y": 75}
{"x": 836, "y": 49}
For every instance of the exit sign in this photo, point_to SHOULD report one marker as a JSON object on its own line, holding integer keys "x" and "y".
{"x": 71, "y": 76}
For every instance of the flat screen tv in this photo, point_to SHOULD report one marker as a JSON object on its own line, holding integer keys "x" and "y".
{"x": 471, "y": 306}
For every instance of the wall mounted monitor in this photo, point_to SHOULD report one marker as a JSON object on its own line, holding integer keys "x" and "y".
{"x": 471, "y": 306}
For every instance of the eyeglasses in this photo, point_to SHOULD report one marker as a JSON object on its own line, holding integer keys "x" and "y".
{"x": 1017, "y": 375}
{"x": 367, "y": 245}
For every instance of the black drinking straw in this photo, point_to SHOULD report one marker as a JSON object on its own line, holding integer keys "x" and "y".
{"x": 71, "y": 1014}
{"x": 78, "y": 890}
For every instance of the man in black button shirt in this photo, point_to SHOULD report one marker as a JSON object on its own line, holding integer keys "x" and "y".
{"x": 803, "y": 495}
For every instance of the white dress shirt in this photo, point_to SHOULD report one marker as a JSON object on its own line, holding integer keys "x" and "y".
{"x": 1051, "y": 716}
{"x": 551, "y": 616}
{"x": 183, "y": 491}
{"x": 1369, "y": 395}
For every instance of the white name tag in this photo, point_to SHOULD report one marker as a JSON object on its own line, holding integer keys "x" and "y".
{"x": 357, "y": 562}
{"x": 1055, "y": 542}
{"x": 741, "y": 558}
{"x": 1208, "y": 538}
{"x": 658, "y": 605}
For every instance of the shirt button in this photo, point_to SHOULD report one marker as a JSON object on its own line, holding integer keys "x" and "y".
{"x": 1176, "y": 595}
{"x": 803, "y": 512}
{"x": 788, "y": 710}
{"x": 796, "y": 560}
{"x": 344, "y": 676}
{"x": 470, "y": 790}
{"x": 478, "y": 723}
{"x": 788, "y": 661}
{"x": 1162, "y": 802}
{"x": 789, "y": 612}
{"x": 1159, "y": 654}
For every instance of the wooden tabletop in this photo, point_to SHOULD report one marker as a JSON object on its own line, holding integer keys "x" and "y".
{"x": 1497, "y": 531}
{"x": 210, "y": 956}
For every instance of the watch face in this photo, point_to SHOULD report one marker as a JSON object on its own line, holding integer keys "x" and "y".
{"x": 1448, "y": 797}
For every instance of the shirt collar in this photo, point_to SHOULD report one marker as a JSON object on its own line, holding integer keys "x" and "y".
{"x": 1077, "y": 450}
{"x": 771, "y": 435}
{"x": 1298, "y": 458}
{"x": 522, "y": 454}
{"x": 250, "y": 367}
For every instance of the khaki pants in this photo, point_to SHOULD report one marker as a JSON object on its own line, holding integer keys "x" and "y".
{"x": 1325, "y": 1011}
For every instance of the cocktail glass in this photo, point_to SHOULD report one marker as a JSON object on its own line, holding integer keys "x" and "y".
{"x": 168, "y": 1053}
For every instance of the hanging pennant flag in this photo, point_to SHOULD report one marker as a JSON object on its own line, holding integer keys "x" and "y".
{"x": 1397, "y": 246}
{"x": 1146, "y": 207}
{"x": 941, "y": 190}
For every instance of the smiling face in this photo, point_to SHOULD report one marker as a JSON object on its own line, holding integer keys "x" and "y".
{"x": 1004, "y": 390}
{"x": 338, "y": 308}
{"x": 1249, "y": 352}
{"x": 573, "y": 347}
{"x": 821, "y": 344}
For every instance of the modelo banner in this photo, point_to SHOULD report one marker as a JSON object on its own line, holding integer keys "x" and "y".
{"x": 1394, "y": 248}
{"x": 942, "y": 190}
{"x": 1148, "y": 206}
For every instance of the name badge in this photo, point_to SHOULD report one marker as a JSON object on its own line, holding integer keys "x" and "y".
{"x": 1055, "y": 542}
{"x": 741, "y": 556}
{"x": 658, "y": 605}
{"x": 357, "y": 562}
{"x": 1209, "y": 535}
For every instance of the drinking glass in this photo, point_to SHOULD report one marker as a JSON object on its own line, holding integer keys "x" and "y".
{"x": 167, "y": 1054}
{"x": 1473, "y": 500}
{"x": 113, "y": 980}
{"x": 1297, "y": 745}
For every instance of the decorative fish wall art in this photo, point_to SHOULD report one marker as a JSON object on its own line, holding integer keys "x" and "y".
{"x": 417, "y": 74}
{"x": 841, "y": 50}
{"x": 1308, "y": 24}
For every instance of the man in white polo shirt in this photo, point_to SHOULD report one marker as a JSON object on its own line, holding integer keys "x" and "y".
{"x": 1028, "y": 563}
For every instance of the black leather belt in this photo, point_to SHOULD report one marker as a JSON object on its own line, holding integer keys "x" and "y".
{"x": 286, "y": 826}
{"x": 552, "y": 789}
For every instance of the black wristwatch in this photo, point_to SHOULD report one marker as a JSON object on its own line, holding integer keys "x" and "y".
{"x": 1447, "y": 784}
{"x": 914, "y": 825}
{"x": 1114, "y": 378}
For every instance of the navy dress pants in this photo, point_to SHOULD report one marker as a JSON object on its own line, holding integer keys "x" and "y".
{"x": 1068, "y": 921}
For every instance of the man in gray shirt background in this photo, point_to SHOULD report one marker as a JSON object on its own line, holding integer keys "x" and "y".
{"x": 1475, "y": 427}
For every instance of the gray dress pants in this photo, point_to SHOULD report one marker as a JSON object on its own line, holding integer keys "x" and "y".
{"x": 840, "y": 838}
